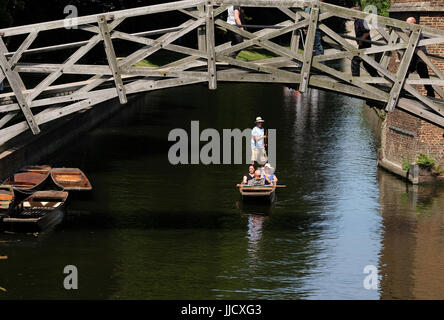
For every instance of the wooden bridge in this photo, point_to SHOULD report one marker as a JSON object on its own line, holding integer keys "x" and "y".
{"x": 29, "y": 105}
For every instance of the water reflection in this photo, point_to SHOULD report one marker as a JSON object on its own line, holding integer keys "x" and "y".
{"x": 254, "y": 236}
{"x": 412, "y": 256}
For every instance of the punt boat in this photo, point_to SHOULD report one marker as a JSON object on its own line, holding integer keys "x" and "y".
{"x": 6, "y": 200}
{"x": 70, "y": 179}
{"x": 27, "y": 182}
{"x": 258, "y": 194}
{"x": 40, "y": 211}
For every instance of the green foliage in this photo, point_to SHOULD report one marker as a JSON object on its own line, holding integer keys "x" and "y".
{"x": 406, "y": 165}
{"x": 382, "y": 5}
{"x": 425, "y": 161}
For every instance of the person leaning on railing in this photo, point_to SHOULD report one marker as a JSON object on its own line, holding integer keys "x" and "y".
{"x": 418, "y": 65}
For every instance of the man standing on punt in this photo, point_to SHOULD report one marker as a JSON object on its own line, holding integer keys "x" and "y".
{"x": 257, "y": 143}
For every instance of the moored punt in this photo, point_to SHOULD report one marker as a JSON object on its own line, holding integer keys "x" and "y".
{"x": 43, "y": 169}
{"x": 40, "y": 211}
{"x": 70, "y": 179}
{"x": 28, "y": 181}
{"x": 6, "y": 200}
{"x": 258, "y": 193}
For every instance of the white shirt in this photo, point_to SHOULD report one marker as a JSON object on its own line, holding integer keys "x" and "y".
{"x": 259, "y": 133}
{"x": 230, "y": 18}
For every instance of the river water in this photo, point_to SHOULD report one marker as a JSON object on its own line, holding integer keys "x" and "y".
{"x": 151, "y": 230}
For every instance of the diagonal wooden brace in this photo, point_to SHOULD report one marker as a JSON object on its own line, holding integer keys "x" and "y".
{"x": 402, "y": 70}
{"x": 308, "y": 50}
{"x": 18, "y": 87}
{"x": 112, "y": 60}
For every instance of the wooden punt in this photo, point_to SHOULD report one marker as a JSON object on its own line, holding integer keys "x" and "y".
{"x": 258, "y": 193}
{"x": 40, "y": 211}
{"x": 27, "y": 182}
{"x": 6, "y": 200}
{"x": 70, "y": 179}
{"x": 43, "y": 169}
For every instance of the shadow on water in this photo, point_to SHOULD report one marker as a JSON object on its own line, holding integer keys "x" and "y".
{"x": 150, "y": 230}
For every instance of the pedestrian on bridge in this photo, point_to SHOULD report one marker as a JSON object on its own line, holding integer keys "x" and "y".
{"x": 418, "y": 65}
{"x": 362, "y": 33}
{"x": 234, "y": 18}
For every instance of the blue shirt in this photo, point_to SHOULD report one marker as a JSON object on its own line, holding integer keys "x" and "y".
{"x": 259, "y": 133}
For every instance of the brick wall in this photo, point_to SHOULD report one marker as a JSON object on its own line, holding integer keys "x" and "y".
{"x": 405, "y": 136}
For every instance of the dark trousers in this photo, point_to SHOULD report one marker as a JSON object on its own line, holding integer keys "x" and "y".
{"x": 356, "y": 68}
{"x": 235, "y": 39}
{"x": 421, "y": 68}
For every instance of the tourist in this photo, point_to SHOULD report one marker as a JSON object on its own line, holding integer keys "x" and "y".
{"x": 362, "y": 32}
{"x": 258, "y": 180}
{"x": 418, "y": 65}
{"x": 234, "y": 18}
{"x": 258, "y": 136}
{"x": 249, "y": 176}
{"x": 270, "y": 177}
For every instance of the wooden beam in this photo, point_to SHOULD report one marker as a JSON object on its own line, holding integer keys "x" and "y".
{"x": 128, "y": 13}
{"x": 210, "y": 45}
{"x": 402, "y": 71}
{"x": 18, "y": 87}
{"x": 201, "y": 33}
{"x": 112, "y": 61}
{"x": 308, "y": 49}
{"x": 162, "y": 42}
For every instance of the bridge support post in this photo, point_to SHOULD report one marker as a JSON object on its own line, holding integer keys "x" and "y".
{"x": 308, "y": 50}
{"x": 18, "y": 87}
{"x": 211, "y": 51}
{"x": 112, "y": 60}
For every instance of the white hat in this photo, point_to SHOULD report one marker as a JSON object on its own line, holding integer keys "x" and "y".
{"x": 259, "y": 119}
{"x": 268, "y": 169}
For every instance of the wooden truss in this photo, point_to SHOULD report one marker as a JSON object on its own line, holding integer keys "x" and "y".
{"x": 208, "y": 62}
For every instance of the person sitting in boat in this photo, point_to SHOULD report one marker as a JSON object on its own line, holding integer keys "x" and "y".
{"x": 249, "y": 176}
{"x": 258, "y": 180}
{"x": 270, "y": 177}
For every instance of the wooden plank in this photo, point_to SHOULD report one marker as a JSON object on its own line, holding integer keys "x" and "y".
{"x": 112, "y": 61}
{"x": 210, "y": 45}
{"x": 402, "y": 71}
{"x": 386, "y": 56}
{"x": 201, "y": 32}
{"x": 160, "y": 43}
{"x": 71, "y": 61}
{"x": 151, "y": 42}
{"x": 6, "y": 118}
{"x": 308, "y": 49}
{"x": 128, "y": 13}
{"x": 18, "y": 87}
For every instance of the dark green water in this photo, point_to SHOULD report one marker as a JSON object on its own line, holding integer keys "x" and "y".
{"x": 150, "y": 230}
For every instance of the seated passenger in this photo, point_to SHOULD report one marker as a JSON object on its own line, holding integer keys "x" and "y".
{"x": 249, "y": 176}
{"x": 269, "y": 176}
{"x": 258, "y": 180}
